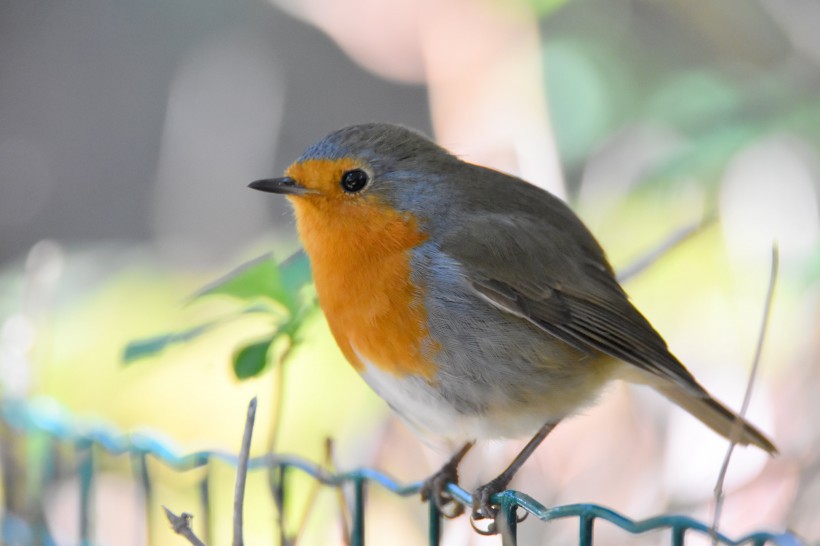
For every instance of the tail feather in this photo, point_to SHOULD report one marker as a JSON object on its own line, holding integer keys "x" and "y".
{"x": 716, "y": 416}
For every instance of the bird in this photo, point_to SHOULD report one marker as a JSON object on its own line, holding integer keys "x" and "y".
{"x": 477, "y": 305}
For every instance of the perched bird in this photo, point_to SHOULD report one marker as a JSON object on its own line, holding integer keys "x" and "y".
{"x": 476, "y": 304}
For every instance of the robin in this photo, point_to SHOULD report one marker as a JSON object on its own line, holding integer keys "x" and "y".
{"x": 476, "y": 304}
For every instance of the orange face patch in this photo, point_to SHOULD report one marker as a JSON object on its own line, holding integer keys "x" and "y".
{"x": 360, "y": 251}
{"x": 322, "y": 175}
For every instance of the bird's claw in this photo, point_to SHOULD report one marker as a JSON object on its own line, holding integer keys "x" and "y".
{"x": 493, "y": 526}
{"x": 483, "y": 507}
{"x": 435, "y": 490}
{"x": 491, "y": 529}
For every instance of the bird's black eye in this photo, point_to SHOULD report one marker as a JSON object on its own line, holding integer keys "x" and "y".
{"x": 354, "y": 180}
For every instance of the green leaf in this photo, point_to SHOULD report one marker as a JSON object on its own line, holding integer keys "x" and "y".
{"x": 694, "y": 99}
{"x": 252, "y": 359}
{"x": 580, "y": 93}
{"x": 263, "y": 277}
{"x": 147, "y": 347}
{"x": 151, "y": 346}
{"x": 257, "y": 277}
{"x": 295, "y": 272}
{"x": 707, "y": 157}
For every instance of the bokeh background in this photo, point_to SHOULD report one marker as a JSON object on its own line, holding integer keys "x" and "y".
{"x": 129, "y": 130}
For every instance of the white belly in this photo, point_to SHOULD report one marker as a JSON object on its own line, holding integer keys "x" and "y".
{"x": 436, "y": 420}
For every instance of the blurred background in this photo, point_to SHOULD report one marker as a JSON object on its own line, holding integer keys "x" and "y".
{"x": 129, "y": 130}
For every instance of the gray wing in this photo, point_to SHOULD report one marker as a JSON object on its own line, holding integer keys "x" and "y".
{"x": 540, "y": 263}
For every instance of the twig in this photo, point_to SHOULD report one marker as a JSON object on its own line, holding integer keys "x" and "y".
{"x": 275, "y": 477}
{"x": 278, "y": 396}
{"x": 182, "y": 526}
{"x": 313, "y": 495}
{"x": 343, "y": 507}
{"x": 242, "y": 473}
{"x": 276, "y": 481}
{"x": 737, "y": 426}
{"x": 672, "y": 241}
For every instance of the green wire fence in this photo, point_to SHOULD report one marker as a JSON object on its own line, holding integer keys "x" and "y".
{"x": 46, "y": 417}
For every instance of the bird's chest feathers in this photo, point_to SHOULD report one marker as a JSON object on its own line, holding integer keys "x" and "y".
{"x": 361, "y": 260}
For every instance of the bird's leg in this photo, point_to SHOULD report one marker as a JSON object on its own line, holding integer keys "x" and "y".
{"x": 435, "y": 487}
{"x": 482, "y": 506}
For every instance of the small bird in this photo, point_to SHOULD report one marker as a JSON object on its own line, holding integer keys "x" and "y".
{"x": 477, "y": 305}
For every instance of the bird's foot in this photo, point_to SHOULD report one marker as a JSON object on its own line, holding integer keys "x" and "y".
{"x": 483, "y": 507}
{"x": 435, "y": 490}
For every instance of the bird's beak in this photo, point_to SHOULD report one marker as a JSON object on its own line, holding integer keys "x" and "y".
{"x": 284, "y": 185}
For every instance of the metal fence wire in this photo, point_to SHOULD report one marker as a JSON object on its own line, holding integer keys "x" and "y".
{"x": 46, "y": 418}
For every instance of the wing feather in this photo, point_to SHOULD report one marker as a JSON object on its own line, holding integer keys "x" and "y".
{"x": 542, "y": 265}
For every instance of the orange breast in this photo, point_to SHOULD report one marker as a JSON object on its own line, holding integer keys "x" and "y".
{"x": 360, "y": 256}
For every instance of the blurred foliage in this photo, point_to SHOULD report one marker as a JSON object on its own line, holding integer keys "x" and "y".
{"x": 170, "y": 388}
{"x": 545, "y": 7}
{"x": 262, "y": 285}
{"x": 607, "y": 70}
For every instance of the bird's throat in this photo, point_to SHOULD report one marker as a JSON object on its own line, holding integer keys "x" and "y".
{"x": 361, "y": 260}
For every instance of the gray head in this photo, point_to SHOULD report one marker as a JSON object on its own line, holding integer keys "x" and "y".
{"x": 370, "y": 162}
{"x": 380, "y": 145}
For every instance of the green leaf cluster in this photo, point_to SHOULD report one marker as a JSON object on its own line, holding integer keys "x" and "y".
{"x": 280, "y": 290}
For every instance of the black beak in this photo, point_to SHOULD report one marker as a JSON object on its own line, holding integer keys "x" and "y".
{"x": 284, "y": 185}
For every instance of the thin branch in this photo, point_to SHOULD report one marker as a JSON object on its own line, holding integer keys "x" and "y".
{"x": 313, "y": 495}
{"x": 278, "y": 396}
{"x": 343, "y": 507}
{"x": 242, "y": 474}
{"x": 273, "y": 436}
{"x": 671, "y": 242}
{"x": 182, "y": 526}
{"x": 737, "y": 426}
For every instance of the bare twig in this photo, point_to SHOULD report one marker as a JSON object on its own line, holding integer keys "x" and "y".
{"x": 205, "y": 503}
{"x": 182, "y": 526}
{"x": 343, "y": 507}
{"x": 672, "y": 241}
{"x": 313, "y": 495}
{"x": 273, "y": 436}
{"x": 242, "y": 474}
{"x": 278, "y": 396}
{"x": 737, "y": 427}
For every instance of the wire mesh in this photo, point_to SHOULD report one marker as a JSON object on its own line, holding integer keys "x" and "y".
{"x": 45, "y": 416}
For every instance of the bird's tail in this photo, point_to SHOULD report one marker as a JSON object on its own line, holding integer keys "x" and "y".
{"x": 716, "y": 416}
